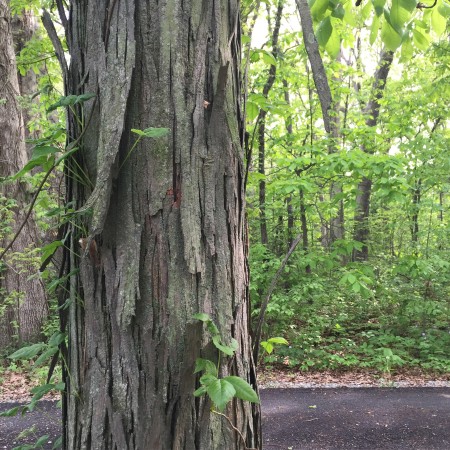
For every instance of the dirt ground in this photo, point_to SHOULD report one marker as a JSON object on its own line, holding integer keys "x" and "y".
{"x": 303, "y": 418}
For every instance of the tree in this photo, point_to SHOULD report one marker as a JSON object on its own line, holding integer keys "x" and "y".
{"x": 372, "y": 110}
{"x": 25, "y": 26}
{"x": 23, "y": 299}
{"x": 158, "y": 183}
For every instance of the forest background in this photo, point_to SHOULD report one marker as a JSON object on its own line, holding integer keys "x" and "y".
{"x": 347, "y": 165}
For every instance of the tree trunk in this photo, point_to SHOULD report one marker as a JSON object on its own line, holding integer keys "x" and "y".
{"x": 22, "y": 298}
{"x": 372, "y": 111}
{"x": 414, "y": 226}
{"x": 330, "y": 114}
{"x": 166, "y": 237}
{"x": 24, "y": 27}
{"x": 261, "y": 121}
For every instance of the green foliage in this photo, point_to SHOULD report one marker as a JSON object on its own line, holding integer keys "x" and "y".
{"x": 220, "y": 390}
{"x": 337, "y": 312}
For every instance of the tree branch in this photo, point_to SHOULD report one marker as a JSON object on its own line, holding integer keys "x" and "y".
{"x": 54, "y": 38}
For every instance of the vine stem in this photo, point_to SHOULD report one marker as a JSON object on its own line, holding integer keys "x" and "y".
{"x": 234, "y": 428}
{"x": 30, "y": 209}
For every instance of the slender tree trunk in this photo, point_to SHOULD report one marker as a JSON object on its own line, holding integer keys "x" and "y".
{"x": 24, "y": 27}
{"x": 22, "y": 295}
{"x": 303, "y": 218}
{"x": 262, "y": 181}
{"x": 304, "y": 224}
{"x": 166, "y": 237}
{"x": 372, "y": 111}
{"x": 261, "y": 121}
{"x": 330, "y": 114}
{"x": 415, "y": 198}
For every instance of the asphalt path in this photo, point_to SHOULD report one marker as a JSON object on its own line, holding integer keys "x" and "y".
{"x": 296, "y": 419}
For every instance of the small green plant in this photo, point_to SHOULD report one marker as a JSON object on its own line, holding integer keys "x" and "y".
{"x": 270, "y": 344}
{"x": 220, "y": 390}
{"x": 388, "y": 360}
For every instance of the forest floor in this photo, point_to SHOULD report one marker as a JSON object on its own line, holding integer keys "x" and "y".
{"x": 300, "y": 412}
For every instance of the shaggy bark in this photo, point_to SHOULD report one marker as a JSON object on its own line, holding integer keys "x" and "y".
{"x": 166, "y": 237}
{"x": 22, "y": 298}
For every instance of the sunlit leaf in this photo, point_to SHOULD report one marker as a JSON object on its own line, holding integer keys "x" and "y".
{"x": 243, "y": 390}
{"x": 324, "y": 31}
{"x": 221, "y": 392}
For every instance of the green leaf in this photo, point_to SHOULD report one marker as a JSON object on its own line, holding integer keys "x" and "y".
{"x": 200, "y": 391}
{"x": 29, "y": 166}
{"x": 391, "y": 38}
{"x": 10, "y": 412}
{"x": 221, "y": 392}
{"x": 151, "y": 132}
{"x": 45, "y": 356}
{"x": 70, "y": 100}
{"x": 228, "y": 350}
{"x": 324, "y": 31}
{"x": 50, "y": 249}
{"x": 43, "y": 151}
{"x": 409, "y": 5}
{"x": 210, "y": 325}
{"x": 58, "y": 443}
{"x": 66, "y": 154}
{"x": 268, "y": 58}
{"x": 338, "y": 12}
{"x": 252, "y": 111}
{"x": 41, "y": 441}
{"x": 438, "y": 22}
{"x": 379, "y": 6}
{"x": 421, "y": 40}
{"x": 205, "y": 365}
{"x": 57, "y": 338}
{"x": 399, "y": 15}
{"x": 243, "y": 390}
{"x": 407, "y": 50}
{"x": 267, "y": 346}
{"x": 60, "y": 386}
{"x": 27, "y": 352}
{"x": 207, "y": 379}
{"x": 333, "y": 46}
{"x": 202, "y": 316}
{"x": 255, "y": 55}
{"x": 39, "y": 391}
{"x": 278, "y": 340}
{"x": 365, "y": 12}
{"x": 374, "y": 29}
{"x": 444, "y": 8}
{"x": 318, "y": 9}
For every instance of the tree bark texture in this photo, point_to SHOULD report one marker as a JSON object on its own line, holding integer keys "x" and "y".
{"x": 24, "y": 28}
{"x": 25, "y": 296}
{"x": 165, "y": 237}
{"x": 372, "y": 111}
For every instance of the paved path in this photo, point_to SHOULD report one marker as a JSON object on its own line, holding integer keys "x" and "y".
{"x": 308, "y": 419}
{"x": 361, "y": 418}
